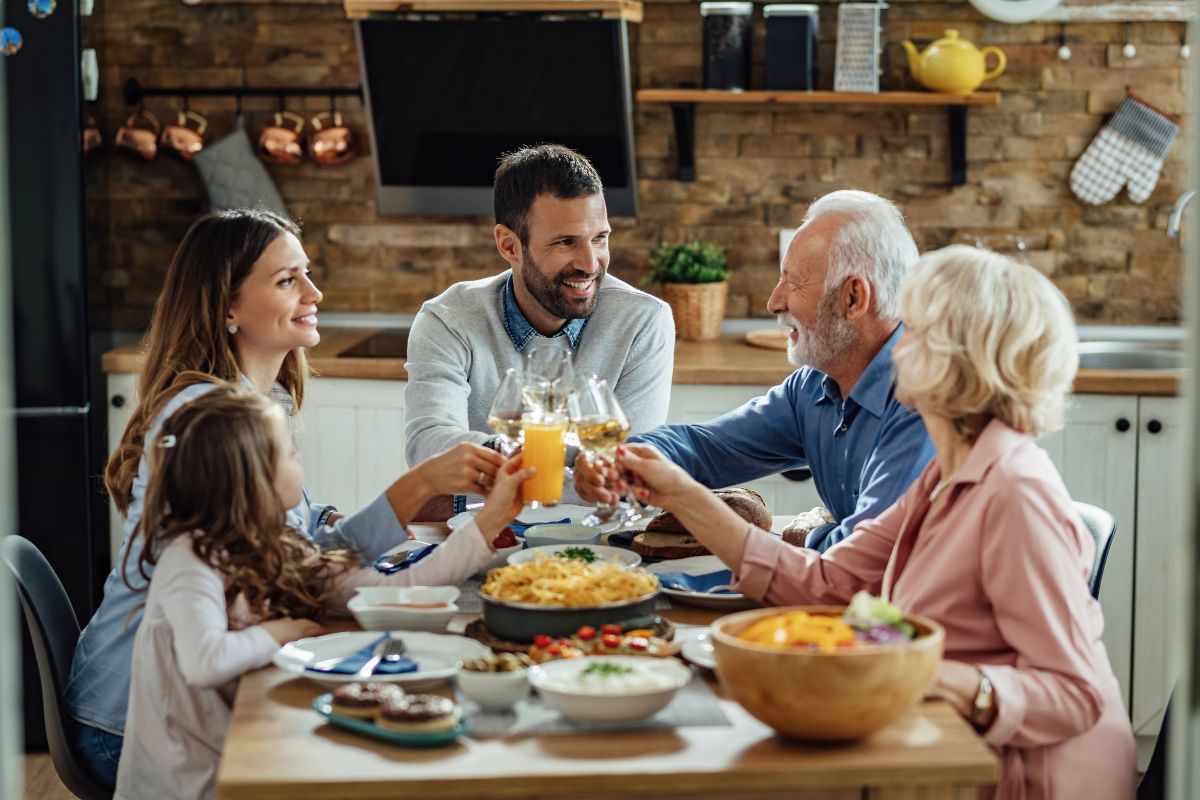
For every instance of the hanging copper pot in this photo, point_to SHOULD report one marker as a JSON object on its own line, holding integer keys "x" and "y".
{"x": 139, "y": 135}
{"x": 281, "y": 144}
{"x": 91, "y": 137}
{"x": 330, "y": 143}
{"x": 185, "y": 136}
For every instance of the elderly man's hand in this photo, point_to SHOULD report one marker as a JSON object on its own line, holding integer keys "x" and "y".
{"x": 797, "y": 530}
{"x": 595, "y": 480}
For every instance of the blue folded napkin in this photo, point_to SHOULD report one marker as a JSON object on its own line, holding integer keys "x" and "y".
{"x": 519, "y": 528}
{"x": 355, "y": 661}
{"x": 697, "y": 583}
{"x": 383, "y": 562}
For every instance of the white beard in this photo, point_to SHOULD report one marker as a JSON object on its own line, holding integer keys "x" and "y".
{"x": 818, "y": 348}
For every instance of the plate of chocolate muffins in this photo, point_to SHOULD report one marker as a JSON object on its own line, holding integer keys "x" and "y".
{"x": 386, "y": 712}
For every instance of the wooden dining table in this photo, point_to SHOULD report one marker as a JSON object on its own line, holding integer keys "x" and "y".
{"x": 279, "y": 747}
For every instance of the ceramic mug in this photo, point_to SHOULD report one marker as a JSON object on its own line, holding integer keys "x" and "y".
{"x": 139, "y": 135}
{"x": 329, "y": 141}
{"x": 279, "y": 143}
{"x": 181, "y": 138}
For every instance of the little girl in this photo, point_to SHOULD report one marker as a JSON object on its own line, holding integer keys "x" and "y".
{"x": 232, "y": 583}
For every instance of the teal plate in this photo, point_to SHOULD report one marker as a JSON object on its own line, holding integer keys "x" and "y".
{"x": 323, "y": 706}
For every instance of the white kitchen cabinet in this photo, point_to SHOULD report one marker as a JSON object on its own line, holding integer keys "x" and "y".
{"x": 1160, "y": 501}
{"x": 1096, "y": 454}
{"x": 122, "y": 399}
{"x": 1125, "y": 454}
{"x": 692, "y": 403}
{"x": 351, "y": 435}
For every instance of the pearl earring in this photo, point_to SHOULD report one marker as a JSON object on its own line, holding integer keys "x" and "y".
{"x": 233, "y": 328}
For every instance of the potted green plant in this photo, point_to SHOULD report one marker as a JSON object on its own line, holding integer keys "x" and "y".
{"x": 693, "y": 277}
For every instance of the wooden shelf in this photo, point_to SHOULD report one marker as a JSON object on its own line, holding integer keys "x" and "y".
{"x": 629, "y": 10}
{"x": 684, "y": 101}
{"x": 817, "y": 98}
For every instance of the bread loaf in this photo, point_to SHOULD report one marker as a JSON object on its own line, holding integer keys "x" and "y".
{"x": 747, "y": 503}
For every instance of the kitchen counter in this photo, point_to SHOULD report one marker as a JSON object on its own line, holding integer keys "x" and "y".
{"x": 728, "y": 360}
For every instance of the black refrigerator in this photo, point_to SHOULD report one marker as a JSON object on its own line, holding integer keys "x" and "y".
{"x": 60, "y": 431}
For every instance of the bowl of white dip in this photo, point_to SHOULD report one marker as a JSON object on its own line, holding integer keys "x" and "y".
{"x": 609, "y": 688}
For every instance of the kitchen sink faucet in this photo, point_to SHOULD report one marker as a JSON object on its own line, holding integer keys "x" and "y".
{"x": 1177, "y": 212}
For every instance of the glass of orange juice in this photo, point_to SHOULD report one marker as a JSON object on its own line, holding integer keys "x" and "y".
{"x": 545, "y": 448}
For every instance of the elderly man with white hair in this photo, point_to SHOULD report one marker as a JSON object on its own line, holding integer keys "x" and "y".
{"x": 837, "y": 414}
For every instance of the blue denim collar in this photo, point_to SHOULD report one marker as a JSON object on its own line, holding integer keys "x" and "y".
{"x": 875, "y": 386}
{"x": 519, "y": 329}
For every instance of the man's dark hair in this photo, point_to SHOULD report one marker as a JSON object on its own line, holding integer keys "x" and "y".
{"x": 544, "y": 169}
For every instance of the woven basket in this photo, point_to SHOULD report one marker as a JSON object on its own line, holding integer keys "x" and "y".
{"x": 698, "y": 308}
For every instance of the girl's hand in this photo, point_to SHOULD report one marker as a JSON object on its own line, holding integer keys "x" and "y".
{"x": 463, "y": 469}
{"x": 504, "y": 502}
{"x": 289, "y": 630}
{"x": 654, "y": 478}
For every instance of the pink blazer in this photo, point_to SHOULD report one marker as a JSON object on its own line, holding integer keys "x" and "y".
{"x": 1003, "y": 566}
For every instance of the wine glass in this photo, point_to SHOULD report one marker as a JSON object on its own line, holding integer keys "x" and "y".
{"x": 505, "y": 415}
{"x": 549, "y": 375}
{"x": 599, "y": 431}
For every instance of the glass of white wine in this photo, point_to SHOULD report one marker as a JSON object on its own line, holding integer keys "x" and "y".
{"x": 601, "y": 426}
{"x": 549, "y": 376}
{"x": 504, "y": 418}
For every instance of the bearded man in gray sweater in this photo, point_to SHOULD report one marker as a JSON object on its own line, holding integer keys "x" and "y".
{"x": 552, "y": 229}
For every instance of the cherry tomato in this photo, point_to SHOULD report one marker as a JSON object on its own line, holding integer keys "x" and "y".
{"x": 638, "y": 643}
{"x": 506, "y": 538}
{"x": 610, "y": 630}
{"x": 587, "y": 633}
{"x": 554, "y": 649}
{"x": 542, "y": 640}
{"x": 611, "y": 640}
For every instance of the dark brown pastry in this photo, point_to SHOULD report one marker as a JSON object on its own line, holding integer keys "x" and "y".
{"x": 362, "y": 700}
{"x": 418, "y": 713}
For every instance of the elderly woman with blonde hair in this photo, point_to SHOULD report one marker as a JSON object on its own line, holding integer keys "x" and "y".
{"x": 986, "y": 541}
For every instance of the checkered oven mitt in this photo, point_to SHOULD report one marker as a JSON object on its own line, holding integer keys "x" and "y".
{"x": 1128, "y": 149}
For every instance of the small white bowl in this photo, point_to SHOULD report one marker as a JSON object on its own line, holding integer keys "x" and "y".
{"x": 494, "y": 691}
{"x": 613, "y": 704}
{"x": 395, "y": 608}
{"x": 603, "y": 553}
{"x": 561, "y": 534}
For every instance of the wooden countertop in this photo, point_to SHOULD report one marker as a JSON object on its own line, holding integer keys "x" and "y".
{"x": 728, "y": 360}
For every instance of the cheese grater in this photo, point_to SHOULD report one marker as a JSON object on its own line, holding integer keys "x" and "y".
{"x": 858, "y": 47}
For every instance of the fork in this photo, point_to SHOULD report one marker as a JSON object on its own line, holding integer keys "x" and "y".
{"x": 388, "y": 651}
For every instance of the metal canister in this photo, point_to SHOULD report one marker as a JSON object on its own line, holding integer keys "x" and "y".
{"x": 727, "y": 29}
{"x": 791, "y": 61}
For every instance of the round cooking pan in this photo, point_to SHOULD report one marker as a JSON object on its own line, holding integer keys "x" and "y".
{"x": 520, "y": 622}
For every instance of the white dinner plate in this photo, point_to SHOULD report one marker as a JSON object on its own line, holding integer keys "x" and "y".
{"x": 532, "y": 515}
{"x": 603, "y": 553}
{"x": 437, "y": 656}
{"x": 697, "y": 647}
{"x": 701, "y": 565}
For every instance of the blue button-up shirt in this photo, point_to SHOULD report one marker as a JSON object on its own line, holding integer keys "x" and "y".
{"x": 863, "y": 450}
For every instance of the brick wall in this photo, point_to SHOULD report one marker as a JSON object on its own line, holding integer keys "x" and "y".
{"x": 758, "y": 167}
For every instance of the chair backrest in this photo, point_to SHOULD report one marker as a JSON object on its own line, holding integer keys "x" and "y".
{"x": 1103, "y": 528}
{"x": 54, "y": 630}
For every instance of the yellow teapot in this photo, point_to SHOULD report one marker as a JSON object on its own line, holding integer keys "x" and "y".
{"x": 952, "y": 64}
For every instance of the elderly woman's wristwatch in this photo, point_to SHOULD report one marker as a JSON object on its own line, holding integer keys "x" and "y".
{"x": 983, "y": 707}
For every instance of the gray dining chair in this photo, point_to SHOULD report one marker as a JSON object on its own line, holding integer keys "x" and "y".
{"x": 1103, "y": 528}
{"x": 54, "y": 630}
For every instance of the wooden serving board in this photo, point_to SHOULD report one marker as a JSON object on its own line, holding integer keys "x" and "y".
{"x": 665, "y": 544}
{"x": 769, "y": 338}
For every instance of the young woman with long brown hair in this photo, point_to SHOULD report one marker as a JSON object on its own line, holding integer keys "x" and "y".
{"x": 237, "y": 304}
{"x": 232, "y": 582}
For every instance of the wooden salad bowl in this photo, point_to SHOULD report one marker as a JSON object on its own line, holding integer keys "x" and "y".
{"x": 838, "y": 696}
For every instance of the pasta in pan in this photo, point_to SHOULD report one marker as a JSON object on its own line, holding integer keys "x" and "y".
{"x": 568, "y": 583}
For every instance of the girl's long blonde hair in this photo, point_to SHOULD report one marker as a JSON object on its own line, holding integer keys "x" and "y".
{"x": 188, "y": 329}
{"x": 211, "y": 478}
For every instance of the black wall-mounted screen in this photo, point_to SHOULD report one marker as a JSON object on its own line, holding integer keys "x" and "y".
{"x": 447, "y": 98}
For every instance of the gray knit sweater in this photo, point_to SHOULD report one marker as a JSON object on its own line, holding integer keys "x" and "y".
{"x": 458, "y": 350}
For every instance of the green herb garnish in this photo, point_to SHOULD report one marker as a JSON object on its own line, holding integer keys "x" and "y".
{"x": 578, "y": 553}
{"x": 605, "y": 670}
